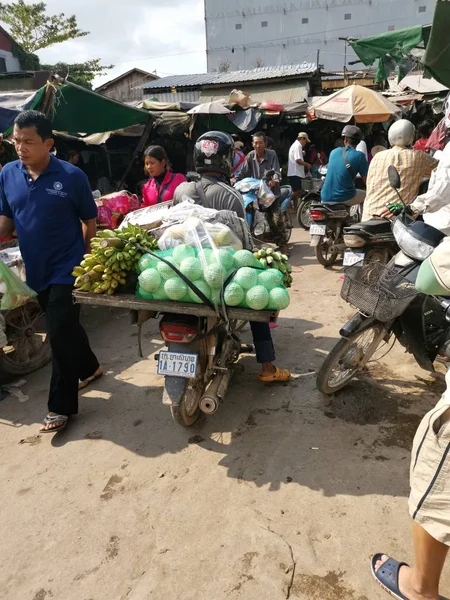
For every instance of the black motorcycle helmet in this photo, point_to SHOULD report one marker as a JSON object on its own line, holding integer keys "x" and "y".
{"x": 214, "y": 152}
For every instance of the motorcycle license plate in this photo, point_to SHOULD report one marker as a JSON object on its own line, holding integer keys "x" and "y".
{"x": 177, "y": 364}
{"x": 352, "y": 258}
{"x": 317, "y": 229}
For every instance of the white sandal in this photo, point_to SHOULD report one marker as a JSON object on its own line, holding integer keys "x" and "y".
{"x": 50, "y": 419}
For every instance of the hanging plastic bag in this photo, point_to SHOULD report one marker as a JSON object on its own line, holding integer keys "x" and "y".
{"x": 17, "y": 292}
{"x": 265, "y": 195}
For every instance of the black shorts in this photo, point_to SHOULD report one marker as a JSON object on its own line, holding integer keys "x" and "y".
{"x": 295, "y": 182}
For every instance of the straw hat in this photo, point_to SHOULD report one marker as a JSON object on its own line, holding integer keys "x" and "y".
{"x": 302, "y": 134}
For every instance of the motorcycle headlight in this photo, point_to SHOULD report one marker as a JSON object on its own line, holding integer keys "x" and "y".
{"x": 409, "y": 244}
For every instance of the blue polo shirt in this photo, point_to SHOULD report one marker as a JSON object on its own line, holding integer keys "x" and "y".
{"x": 47, "y": 214}
{"x": 339, "y": 183}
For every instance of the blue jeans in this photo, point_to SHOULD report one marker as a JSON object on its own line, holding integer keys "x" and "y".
{"x": 262, "y": 339}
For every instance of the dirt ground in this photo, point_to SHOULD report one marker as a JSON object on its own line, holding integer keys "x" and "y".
{"x": 270, "y": 498}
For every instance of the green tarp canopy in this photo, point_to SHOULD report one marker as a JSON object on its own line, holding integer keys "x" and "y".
{"x": 437, "y": 55}
{"x": 390, "y": 47}
{"x": 395, "y": 46}
{"x": 79, "y": 110}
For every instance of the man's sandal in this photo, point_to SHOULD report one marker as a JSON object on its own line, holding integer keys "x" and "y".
{"x": 84, "y": 384}
{"x": 280, "y": 375}
{"x": 387, "y": 575}
{"x": 51, "y": 419}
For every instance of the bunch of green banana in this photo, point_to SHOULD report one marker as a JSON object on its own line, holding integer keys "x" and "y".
{"x": 112, "y": 257}
{"x": 275, "y": 260}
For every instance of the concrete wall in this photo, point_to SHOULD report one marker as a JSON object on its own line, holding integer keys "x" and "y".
{"x": 265, "y": 34}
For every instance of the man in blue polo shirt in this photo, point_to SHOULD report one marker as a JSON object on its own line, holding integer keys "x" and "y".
{"x": 50, "y": 204}
{"x": 344, "y": 165}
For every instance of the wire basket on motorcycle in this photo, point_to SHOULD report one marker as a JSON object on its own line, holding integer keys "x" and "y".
{"x": 312, "y": 184}
{"x": 377, "y": 291}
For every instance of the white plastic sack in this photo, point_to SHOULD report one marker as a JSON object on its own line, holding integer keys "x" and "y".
{"x": 200, "y": 234}
{"x": 265, "y": 195}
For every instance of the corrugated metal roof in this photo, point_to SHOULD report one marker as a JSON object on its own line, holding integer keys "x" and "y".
{"x": 285, "y": 93}
{"x": 201, "y": 79}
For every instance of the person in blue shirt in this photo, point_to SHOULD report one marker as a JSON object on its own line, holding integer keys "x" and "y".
{"x": 344, "y": 165}
{"x": 50, "y": 204}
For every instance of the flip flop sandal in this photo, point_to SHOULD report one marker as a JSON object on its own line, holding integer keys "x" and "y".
{"x": 84, "y": 384}
{"x": 50, "y": 419}
{"x": 280, "y": 375}
{"x": 387, "y": 575}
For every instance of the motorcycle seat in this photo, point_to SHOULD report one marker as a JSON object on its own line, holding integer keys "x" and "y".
{"x": 374, "y": 226}
{"x": 336, "y": 205}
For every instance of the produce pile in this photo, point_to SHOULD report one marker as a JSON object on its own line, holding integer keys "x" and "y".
{"x": 112, "y": 258}
{"x": 275, "y": 260}
{"x": 247, "y": 283}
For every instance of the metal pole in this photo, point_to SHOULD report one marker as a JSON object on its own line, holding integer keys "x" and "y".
{"x": 141, "y": 144}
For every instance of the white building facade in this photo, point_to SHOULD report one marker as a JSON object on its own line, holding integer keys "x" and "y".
{"x": 244, "y": 34}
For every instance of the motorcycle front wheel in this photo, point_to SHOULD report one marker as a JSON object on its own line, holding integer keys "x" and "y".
{"x": 348, "y": 357}
{"x": 326, "y": 253}
{"x": 287, "y": 225}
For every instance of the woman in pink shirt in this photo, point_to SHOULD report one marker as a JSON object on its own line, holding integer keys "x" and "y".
{"x": 163, "y": 182}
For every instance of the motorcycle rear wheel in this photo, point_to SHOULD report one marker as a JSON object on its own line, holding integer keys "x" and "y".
{"x": 348, "y": 357}
{"x": 187, "y": 412}
{"x": 323, "y": 254}
{"x": 303, "y": 215}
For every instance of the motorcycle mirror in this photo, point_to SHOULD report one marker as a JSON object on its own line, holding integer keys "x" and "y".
{"x": 394, "y": 177}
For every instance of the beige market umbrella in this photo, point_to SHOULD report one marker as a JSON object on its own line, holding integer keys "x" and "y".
{"x": 354, "y": 102}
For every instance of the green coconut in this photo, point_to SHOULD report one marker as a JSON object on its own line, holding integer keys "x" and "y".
{"x": 191, "y": 268}
{"x": 234, "y": 294}
{"x": 257, "y": 297}
{"x": 246, "y": 277}
{"x": 182, "y": 252}
{"x": 279, "y": 298}
{"x": 215, "y": 275}
{"x": 203, "y": 287}
{"x": 175, "y": 288}
{"x": 150, "y": 280}
{"x": 147, "y": 261}
{"x": 269, "y": 279}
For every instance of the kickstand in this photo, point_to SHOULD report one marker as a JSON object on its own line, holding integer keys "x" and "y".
{"x": 141, "y": 355}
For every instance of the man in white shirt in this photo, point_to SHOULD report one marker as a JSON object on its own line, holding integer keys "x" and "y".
{"x": 297, "y": 166}
{"x": 362, "y": 147}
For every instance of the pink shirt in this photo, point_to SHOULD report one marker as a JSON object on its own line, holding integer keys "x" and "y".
{"x": 151, "y": 195}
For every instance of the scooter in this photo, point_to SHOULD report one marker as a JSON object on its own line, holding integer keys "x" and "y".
{"x": 389, "y": 307}
{"x": 372, "y": 240}
{"x": 256, "y": 213}
{"x": 327, "y": 229}
{"x": 198, "y": 363}
{"x": 310, "y": 195}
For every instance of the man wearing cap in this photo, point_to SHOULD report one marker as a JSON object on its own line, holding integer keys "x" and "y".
{"x": 297, "y": 166}
{"x": 343, "y": 166}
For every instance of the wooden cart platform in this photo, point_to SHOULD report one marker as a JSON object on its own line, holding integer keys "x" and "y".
{"x": 128, "y": 301}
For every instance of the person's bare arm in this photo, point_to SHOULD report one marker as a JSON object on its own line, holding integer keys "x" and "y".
{"x": 6, "y": 226}
{"x": 89, "y": 231}
{"x": 303, "y": 163}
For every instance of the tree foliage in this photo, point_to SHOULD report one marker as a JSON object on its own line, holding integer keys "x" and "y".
{"x": 33, "y": 29}
{"x": 80, "y": 73}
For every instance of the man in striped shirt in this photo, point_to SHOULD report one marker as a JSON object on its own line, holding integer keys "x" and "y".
{"x": 412, "y": 166}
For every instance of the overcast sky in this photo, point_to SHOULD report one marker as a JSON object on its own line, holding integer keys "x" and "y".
{"x": 134, "y": 33}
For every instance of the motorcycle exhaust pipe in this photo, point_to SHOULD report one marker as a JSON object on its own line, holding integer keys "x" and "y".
{"x": 215, "y": 393}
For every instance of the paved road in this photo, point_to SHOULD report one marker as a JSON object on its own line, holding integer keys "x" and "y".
{"x": 127, "y": 506}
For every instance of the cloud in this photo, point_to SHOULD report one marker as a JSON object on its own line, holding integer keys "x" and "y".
{"x": 168, "y": 38}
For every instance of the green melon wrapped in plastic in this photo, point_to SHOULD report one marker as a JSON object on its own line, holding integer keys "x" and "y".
{"x": 150, "y": 280}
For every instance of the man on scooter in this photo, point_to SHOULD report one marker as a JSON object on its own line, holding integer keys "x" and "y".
{"x": 343, "y": 166}
{"x": 213, "y": 160}
{"x": 259, "y": 163}
{"x": 412, "y": 166}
